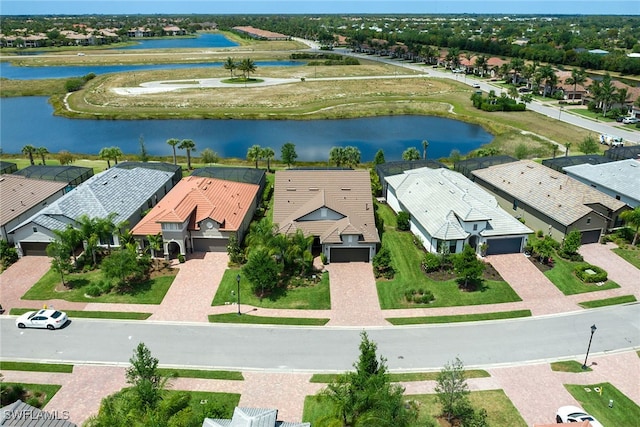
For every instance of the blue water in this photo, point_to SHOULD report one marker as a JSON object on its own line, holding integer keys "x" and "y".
{"x": 202, "y": 41}
{"x": 29, "y": 120}
{"x": 33, "y": 73}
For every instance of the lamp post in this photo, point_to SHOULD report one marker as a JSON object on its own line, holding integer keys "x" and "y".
{"x": 238, "y": 282}
{"x": 593, "y": 329}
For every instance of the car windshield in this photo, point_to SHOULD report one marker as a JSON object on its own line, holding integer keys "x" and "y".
{"x": 56, "y": 314}
{"x": 32, "y": 314}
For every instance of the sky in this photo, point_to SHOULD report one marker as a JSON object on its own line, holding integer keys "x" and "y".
{"x": 551, "y": 7}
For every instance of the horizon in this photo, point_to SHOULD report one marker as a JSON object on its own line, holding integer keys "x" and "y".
{"x": 319, "y": 7}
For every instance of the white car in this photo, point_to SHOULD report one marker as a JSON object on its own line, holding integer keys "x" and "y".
{"x": 573, "y": 414}
{"x": 50, "y": 319}
{"x": 630, "y": 120}
{"x": 476, "y": 85}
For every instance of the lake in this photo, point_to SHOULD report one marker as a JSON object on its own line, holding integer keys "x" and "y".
{"x": 203, "y": 40}
{"x": 29, "y": 120}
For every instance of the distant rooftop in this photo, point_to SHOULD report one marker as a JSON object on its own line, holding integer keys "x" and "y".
{"x": 19, "y": 194}
{"x": 561, "y": 162}
{"x": 72, "y": 175}
{"x": 622, "y": 176}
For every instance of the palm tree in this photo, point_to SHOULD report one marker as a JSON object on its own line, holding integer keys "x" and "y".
{"x": 604, "y": 92}
{"x": 254, "y": 154}
{"x": 516, "y": 65}
{"x": 268, "y": 154}
{"x": 247, "y": 66}
{"x": 425, "y": 145}
{"x": 578, "y": 77}
{"x": 481, "y": 64}
{"x": 115, "y": 153}
{"x": 549, "y": 77}
{"x": 29, "y": 150}
{"x": 230, "y": 65}
{"x": 622, "y": 96}
{"x": 42, "y": 151}
{"x": 411, "y": 153}
{"x": 567, "y": 146}
{"x": 513, "y": 92}
{"x": 173, "y": 142}
{"x": 632, "y": 219}
{"x": 189, "y": 146}
{"x": 105, "y": 154}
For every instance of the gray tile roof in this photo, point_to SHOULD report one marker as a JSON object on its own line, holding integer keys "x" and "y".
{"x": 20, "y": 414}
{"x": 622, "y": 176}
{"x": 252, "y": 417}
{"x": 122, "y": 191}
{"x": 19, "y": 194}
{"x": 439, "y": 199}
{"x": 556, "y": 195}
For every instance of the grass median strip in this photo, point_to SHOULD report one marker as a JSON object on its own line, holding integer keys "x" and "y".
{"x": 263, "y": 320}
{"x": 608, "y": 301}
{"x": 403, "y": 377}
{"x": 568, "y": 366}
{"x": 459, "y": 318}
{"x": 595, "y": 399}
{"x": 36, "y": 367}
{"x": 118, "y": 315}
{"x": 196, "y": 373}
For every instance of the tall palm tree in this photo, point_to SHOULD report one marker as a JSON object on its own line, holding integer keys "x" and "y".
{"x": 549, "y": 77}
{"x": 425, "y": 145}
{"x": 481, "y": 64}
{"x": 254, "y": 154}
{"x": 230, "y": 65}
{"x": 268, "y": 154}
{"x": 604, "y": 92}
{"x": 173, "y": 142}
{"x": 189, "y": 146}
{"x": 578, "y": 76}
{"x": 29, "y": 150}
{"x": 105, "y": 154}
{"x": 247, "y": 66}
{"x": 632, "y": 219}
{"x": 516, "y": 65}
{"x": 622, "y": 96}
{"x": 115, "y": 153}
{"x": 42, "y": 151}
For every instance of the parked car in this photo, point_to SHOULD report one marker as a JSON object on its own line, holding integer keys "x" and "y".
{"x": 45, "y": 318}
{"x": 630, "y": 120}
{"x": 573, "y": 414}
{"x": 619, "y": 119}
{"x": 476, "y": 85}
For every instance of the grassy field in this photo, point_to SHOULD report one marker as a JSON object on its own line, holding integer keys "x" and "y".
{"x": 630, "y": 254}
{"x": 49, "y": 287}
{"x": 36, "y": 367}
{"x": 315, "y": 297}
{"x": 459, "y": 318}
{"x": 563, "y": 277}
{"x": 403, "y": 377}
{"x": 264, "y": 320}
{"x": 624, "y": 412}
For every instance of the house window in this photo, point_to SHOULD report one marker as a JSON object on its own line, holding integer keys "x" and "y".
{"x": 588, "y": 220}
{"x": 35, "y": 229}
{"x": 617, "y": 197}
{"x": 475, "y": 227}
{"x": 515, "y": 204}
{"x": 452, "y": 246}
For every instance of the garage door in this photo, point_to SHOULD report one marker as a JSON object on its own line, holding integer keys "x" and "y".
{"x": 34, "y": 248}
{"x": 210, "y": 245}
{"x": 349, "y": 255}
{"x": 511, "y": 245}
{"x": 592, "y": 236}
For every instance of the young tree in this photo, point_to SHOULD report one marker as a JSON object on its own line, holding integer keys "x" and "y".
{"x": 188, "y": 145}
{"x": 144, "y": 156}
{"x": 173, "y": 142}
{"x": 425, "y": 145}
{"x": 105, "y": 154}
{"x": 288, "y": 153}
{"x": 379, "y": 157}
{"x": 123, "y": 266}
{"x": 337, "y": 156}
{"x": 247, "y": 66}
{"x": 452, "y": 390}
{"x": 403, "y": 221}
{"x": 589, "y": 145}
{"x": 254, "y": 154}
{"x": 155, "y": 243}
{"x": 208, "y": 156}
{"x": 60, "y": 261}
{"x": 262, "y": 271}
{"x": 468, "y": 267}
{"x": 632, "y": 219}
{"x": 411, "y": 153}
{"x": 144, "y": 376}
{"x": 65, "y": 157}
{"x": 572, "y": 242}
{"x": 351, "y": 156}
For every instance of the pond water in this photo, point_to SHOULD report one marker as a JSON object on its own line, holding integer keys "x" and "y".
{"x": 201, "y": 41}
{"x": 29, "y": 120}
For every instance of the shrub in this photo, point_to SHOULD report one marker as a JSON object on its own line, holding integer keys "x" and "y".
{"x": 382, "y": 264}
{"x": 426, "y": 298}
{"x": 540, "y": 233}
{"x": 403, "y": 221}
{"x": 93, "y": 290}
{"x": 431, "y": 262}
{"x": 417, "y": 241}
{"x": 582, "y": 274}
{"x": 575, "y": 257}
{"x": 181, "y": 258}
{"x": 323, "y": 258}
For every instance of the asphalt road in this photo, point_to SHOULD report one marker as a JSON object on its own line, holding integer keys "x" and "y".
{"x": 328, "y": 349}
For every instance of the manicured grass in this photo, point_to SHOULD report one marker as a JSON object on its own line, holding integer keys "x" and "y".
{"x": 120, "y": 315}
{"x": 195, "y": 373}
{"x": 36, "y": 367}
{"x": 200, "y": 398}
{"x": 630, "y": 254}
{"x": 406, "y": 258}
{"x": 500, "y": 410}
{"x": 402, "y": 377}
{"x": 563, "y": 277}
{"x": 624, "y": 412}
{"x": 241, "y": 80}
{"x": 624, "y": 299}
{"x": 149, "y": 292}
{"x": 264, "y": 320}
{"x": 314, "y": 297}
{"x": 44, "y": 392}
{"x": 568, "y": 366}
{"x": 459, "y": 318}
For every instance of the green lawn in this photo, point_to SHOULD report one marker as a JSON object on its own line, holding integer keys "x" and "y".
{"x": 624, "y": 412}
{"x": 314, "y": 297}
{"x": 624, "y": 299}
{"x": 196, "y": 373}
{"x": 569, "y": 366}
{"x": 403, "y": 377}
{"x": 201, "y": 398}
{"x": 459, "y": 318}
{"x": 406, "y": 259}
{"x": 36, "y": 367}
{"x": 43, "y": 392}
{"x": 265, "y": 320}
{"x": 630, "y": 254}
{"x": 150, "y": 292}
{"x": 563, "y": 277}
{"x": 120, "y": 315}
{"x": 500, "y": 410}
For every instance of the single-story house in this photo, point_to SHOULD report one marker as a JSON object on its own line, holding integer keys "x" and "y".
{"x": 200, "y": 214}
{"x": 20, "y": 414}
{"x": 620, "y": 180}
{"x": 550, "y": 201}
{"x": 397, "y": 167}
{"x": 448, "y": 211}
{"x": 252, "y": 417}
{"x": 128, "y": 193}
{"x": 335, "y": 206}
{"x": 24, "y": 197}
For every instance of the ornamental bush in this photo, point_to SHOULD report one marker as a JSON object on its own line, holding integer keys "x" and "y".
{"x": 590, "y": 273}
{"x": 431, "y": 262}
{"x": 403, "y": 221}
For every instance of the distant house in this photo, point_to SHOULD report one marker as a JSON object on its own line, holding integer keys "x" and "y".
{"x": 252, "y": 417}
{"x": 257, "y": 33}
{"x": 200, "y": 214}
{"x": 172, "y": 30}
{"x": 140, "y": 32}
{"x": 22, "y": 198}
{"x": 128, "y": 193}
{"x": 620, "y": 180}
{"x": 334, "y": 206}
{"x": 448, "y": 211}
{"x": 550, "y": 201}
{"x": 20, "y": 414}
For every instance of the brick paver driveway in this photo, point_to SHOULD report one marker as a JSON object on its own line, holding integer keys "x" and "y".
{"x": 619, "y": 270}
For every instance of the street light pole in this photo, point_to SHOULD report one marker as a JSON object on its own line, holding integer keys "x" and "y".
{"x": 238, "y": 281}
{"x": 593, "y": 329}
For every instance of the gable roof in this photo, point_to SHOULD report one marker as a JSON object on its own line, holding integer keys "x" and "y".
{"x": 36, "y": 417}
{"x": 439, "y": 199}
{"x": 19, "y": 194}
{"x": 558, "y": 196}
{"x": 121, "y": 191}
{"x": 252, "y": 417}
{"x": 622, "y": 176}
{"x": 197, "y": 198}
{"x": 347, "y": 192}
